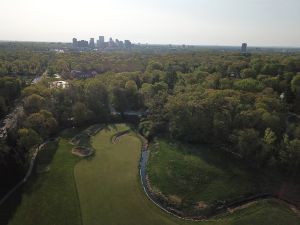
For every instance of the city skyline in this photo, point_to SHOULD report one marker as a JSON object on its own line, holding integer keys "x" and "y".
{"x": 216, "y": 22}
{"x": 100, "y": 43}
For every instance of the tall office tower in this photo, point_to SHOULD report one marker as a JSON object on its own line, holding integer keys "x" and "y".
{"x": 127, "y": 44}
{"x": 83, "y": 44}
{"x": 244, "y": 48}
{"x": 101, "y": 39}
{"x": 101, "y": 42}
{"x": 111, "y": 43}
{"x": 117, "y": 43}
{"x": 75, "y": 43}
{"x": 92, "y": 43}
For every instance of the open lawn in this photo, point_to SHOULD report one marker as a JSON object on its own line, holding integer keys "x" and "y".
{"x": 110, "y": 192}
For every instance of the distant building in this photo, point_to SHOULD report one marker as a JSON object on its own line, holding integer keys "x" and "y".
{"x": 75, "y": 43}
{"x": 92, "y": 43}
{"x": 101, "y": 39}
{"x": 127, "y": 44}
{"x": 111, "y": 43}
{"x": 244, "y": 48}
{"x": 117, "y": 43}
{"x": 59, "y": 84}
{"x": 100, "y": 42}
{"x": 79, "y": 74}
{"x": 83, "y": 44}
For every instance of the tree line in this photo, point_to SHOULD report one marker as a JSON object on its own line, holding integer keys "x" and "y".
{"x": 240, "y": 102}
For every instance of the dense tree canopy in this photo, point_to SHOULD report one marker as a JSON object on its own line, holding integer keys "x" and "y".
{"x": 244, "y": 103}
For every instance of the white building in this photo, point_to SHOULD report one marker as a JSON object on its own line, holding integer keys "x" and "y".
{"x": 59, "y": 84}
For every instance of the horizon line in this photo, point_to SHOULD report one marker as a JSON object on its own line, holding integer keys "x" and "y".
{"x": 191, "y": 45}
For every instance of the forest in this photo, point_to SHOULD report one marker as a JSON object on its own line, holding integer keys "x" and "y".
{"x": 246, "y": 104}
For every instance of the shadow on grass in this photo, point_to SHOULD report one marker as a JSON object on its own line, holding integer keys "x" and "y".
{"x": 266, "y": 181}
{"x": 44, "y": 158}
{"x": 220, "y": 168}
{"x": 9, "y": 207}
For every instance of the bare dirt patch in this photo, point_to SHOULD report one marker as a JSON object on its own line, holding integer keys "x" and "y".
{"x": 82, "y": 151}
{"x": 117, "y": 137}
{"x": 174, "y": 199}
{"x": 201, "y": 205}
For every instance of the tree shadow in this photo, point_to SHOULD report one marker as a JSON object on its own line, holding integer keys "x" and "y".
{"x": 235, "y": 168}
{"x": 9, "y": 207}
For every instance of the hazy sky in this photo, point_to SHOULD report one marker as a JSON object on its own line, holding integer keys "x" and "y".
{"x": 203, "y": 22}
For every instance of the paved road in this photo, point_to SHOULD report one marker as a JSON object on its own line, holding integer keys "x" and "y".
{"x": 10, "y": 121}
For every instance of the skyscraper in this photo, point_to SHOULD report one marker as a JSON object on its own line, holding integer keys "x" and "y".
{"x": 75, "y": 43}
{"x": 83, "y": 44}
{"x": 111, "y": 43}
{"x": 101, "y": 42}
{"x": 92, "y": 43}
{"x": 127, "y": 44}
{"x": 244, "y": 48}
{"x": 101, "y": 39}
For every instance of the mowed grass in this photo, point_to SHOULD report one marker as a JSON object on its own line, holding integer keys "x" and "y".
{"x": 109, "y": 186}
{"x": 48, "y": 198}
{"x": 199, "y": 174}
{"x": 110, "y": 192}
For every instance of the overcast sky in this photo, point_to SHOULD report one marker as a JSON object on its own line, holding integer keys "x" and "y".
{"x": 202, "y": 22}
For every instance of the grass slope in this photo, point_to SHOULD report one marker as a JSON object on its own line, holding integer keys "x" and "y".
{"x": 48, "y": 198}
{"x": 201, "y": 175}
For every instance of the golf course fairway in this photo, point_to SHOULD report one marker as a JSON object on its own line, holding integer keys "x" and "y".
{"x": 109, "y": 185}
{"x": 105, "y": 189}
{"x": 110, "y": 191}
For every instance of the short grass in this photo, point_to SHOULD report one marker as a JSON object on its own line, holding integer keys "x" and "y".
{"x": 48, "y": 198}
{"x": 109, "y": 187}
{"x": 110, "y": 191}
{"x": 200, "y": 174}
